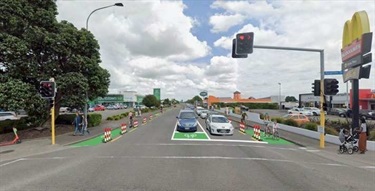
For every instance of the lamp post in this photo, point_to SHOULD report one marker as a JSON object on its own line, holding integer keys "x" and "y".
{"x": 279, "y": 95}
{"x": 87, "y": 28}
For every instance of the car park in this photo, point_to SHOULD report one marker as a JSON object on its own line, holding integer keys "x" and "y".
{"x": 187, "y": 121}
{"x": 219, "y": 125}
{"x": 297, "y": 110}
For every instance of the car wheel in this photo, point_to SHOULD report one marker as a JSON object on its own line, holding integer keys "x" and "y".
{"x": 342, "y": 115}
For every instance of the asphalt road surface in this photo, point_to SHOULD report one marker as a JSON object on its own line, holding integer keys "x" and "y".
{"x": 149, "y": 158}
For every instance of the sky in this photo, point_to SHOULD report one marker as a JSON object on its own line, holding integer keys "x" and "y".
{"x": 184, "y": 46}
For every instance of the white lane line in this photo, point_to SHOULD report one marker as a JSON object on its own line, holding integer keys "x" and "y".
{"x": 174, "y": 131}
{"x": 368, "y": 167}
{"x": 222, "y": 140}
{"x": 204, "y": 130}
{"x": 312, "y": 151}
{"x": 11, "y": 162}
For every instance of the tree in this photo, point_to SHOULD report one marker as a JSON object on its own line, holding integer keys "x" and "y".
{"x": 195, "y": 99}
{"x": 35, "y": 47}
{"x": 166, "y": 102}
{"x": 290, "y": 99}
{"x": 150, "y": 100}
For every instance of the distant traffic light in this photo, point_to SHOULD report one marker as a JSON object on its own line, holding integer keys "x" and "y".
{"x": 331, "y": 86}
{"x": 316, "y": 87}
{"x": 244, "y": 43}
{"x": 47, "y": 89}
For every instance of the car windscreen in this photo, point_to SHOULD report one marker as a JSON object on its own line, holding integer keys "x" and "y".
{"x": 219, "y": 120}
{"x": 187, "y": 115}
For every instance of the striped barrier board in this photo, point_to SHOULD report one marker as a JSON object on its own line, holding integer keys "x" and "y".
{"x": 123, "y": 129}
{"x": 144, "y": 120}
{"x": 242, "y": 128}
{"x": 107, "y": 135}
{"x": 257, "y": 132}
{"x": 135, "y": 123}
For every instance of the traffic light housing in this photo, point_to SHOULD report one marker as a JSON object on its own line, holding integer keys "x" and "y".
{"x": 234, "y": 55}
{"x": 331, "y": 86}
{"x": 244, "y": 43}
{"x": 47, "y": 89}
{"x": 316, "y": 87}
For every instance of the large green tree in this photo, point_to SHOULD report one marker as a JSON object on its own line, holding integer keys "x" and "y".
{"x": 150, "y": 100}
{"x": 35, "y": 47}
{"x": 290, "y": 99}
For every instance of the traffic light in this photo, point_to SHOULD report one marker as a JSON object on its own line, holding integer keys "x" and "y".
{"x": 47, "y": 89}
{"x": 331, "y": 86}
{"x": 244, "y": 43}
{"x": 316, "y": 87}
{"x": 234, "y": 55}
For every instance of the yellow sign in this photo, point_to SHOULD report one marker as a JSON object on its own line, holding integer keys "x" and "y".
{"x": 352, "y": 34}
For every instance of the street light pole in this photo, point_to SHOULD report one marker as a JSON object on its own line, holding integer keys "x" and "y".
{"x": 279, "y": 95}
{"x": 87, "y": 28}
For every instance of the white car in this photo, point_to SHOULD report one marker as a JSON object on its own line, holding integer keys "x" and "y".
{"x": 204, "y": 114}
{"x": 8, "y": 115}
{"x": 297, "y": 110}
{"x": 219, "y": 125}
{"x": 315, "y": 111}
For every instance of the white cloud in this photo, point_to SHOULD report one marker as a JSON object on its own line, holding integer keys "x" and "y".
{"x": 222, "y": 23}
{"x": 305, "y": 24}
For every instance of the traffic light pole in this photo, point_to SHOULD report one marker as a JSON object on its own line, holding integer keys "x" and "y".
{"x": 321, "y": 51}
{"x": 53, "y": 121}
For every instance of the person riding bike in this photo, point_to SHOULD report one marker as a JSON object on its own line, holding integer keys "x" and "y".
{"x": 244, "y": 116}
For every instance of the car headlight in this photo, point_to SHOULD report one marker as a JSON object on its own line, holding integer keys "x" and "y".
{"x": 196, "y": 123}
{"x": 178, "y": 123}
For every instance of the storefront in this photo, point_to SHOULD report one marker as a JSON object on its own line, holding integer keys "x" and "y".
{"x": 366, "y": 99}
{"x": 109, "y": 99}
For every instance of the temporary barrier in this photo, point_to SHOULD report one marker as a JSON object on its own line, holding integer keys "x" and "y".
{"x": 257, "y": 132}
{"x": 150, "y": 117}
{"x": 107, "y": 135}
{"x": 123, "y": 129}
{"x": 135, "y": 124}
{"x": 242, "y": 128}
{"x": 144, "y": 120}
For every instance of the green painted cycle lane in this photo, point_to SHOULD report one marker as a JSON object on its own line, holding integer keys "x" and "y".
{"x": 98, "y": 139}
{"x": 195, "y": 135}
{"x": 269, "y": 139}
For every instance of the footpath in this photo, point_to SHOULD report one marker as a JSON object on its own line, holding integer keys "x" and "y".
{"x": 44, "y": 145}
{"x": 330, "y": 151}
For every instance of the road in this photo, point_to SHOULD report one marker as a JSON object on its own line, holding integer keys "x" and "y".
{"x": 149, "y": 158}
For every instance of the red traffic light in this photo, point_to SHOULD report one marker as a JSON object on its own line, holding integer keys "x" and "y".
{"x": 242, "y": 37}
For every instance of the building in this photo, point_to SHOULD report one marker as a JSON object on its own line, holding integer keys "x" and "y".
{"x": 366, "y": 99}
{"x": 128, "y": 98}
{"x": 236, "y": 99}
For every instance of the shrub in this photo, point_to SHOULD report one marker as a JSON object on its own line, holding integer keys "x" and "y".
{"x": 331, "y": 131}
{"x": 261, "y": 115}
{"x": 110, "y": 118}
{"x": 6, "y": 126}
{"x": 94, "y": 119}
{"x": 372, "y": 135}
{"x": 117, "y": 117}
{"x": 124, "y": 114}
{"x": 291, "y": 122}
{"x": 145, "y": 110}
{"x": 278, "y": 119}
{"x": 311, "y": 126}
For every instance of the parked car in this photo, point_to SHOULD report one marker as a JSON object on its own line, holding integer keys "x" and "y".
{"x": 99, "y": 108}
{"x": 367, "y": 114}
{"x": 91, "y": 109}
{"x": 315, "y": 111}
{"x": 111, "y": 107}
{"x": 337, "y": 111}
{"x": 297, "y": 110}
{"x": 187, "y": 121}
{"x": 299, "y": 118}
{"x": 64, "y": 109}
{"x": 219, "y": 124}
{"x": 8, "y": 115}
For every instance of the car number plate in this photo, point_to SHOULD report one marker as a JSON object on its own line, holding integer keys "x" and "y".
{"x": 187, "y": 128}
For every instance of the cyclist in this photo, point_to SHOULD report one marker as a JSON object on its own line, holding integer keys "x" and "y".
{"x": 275, "y": 127}
{"x": 244, "y": 116}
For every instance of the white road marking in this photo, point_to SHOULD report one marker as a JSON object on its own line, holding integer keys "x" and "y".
{"x": 204, "y": 130}
{"x": 11, "y": 162}
{"x": 369, "y": 167}
{"x": 312, "y": 150}
{"x": 174, "y": 131}
{"x": 222, "y": 140}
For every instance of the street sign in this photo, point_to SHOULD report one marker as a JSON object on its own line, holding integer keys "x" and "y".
{"x": 352, "y": 74}
{"x": 203, "y": 94}
{"x": 332, "y": 73}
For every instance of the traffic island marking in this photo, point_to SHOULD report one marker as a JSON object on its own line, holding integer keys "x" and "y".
{"x": 190, "y": 136}
{"x": 269, "y": 139}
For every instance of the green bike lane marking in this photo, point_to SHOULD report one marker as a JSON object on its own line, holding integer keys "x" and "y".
{"x": 98, "y": 139}
{"x": 269, "y": 139}
{"x": 195, "y": 135}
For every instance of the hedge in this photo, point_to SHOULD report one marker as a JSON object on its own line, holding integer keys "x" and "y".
{"x": 6, "y": 126}
{"x": 251, "y": 105}
{"x": 94, "y": 119}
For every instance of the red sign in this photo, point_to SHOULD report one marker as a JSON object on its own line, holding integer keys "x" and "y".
{"x": 354, "y": 49}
